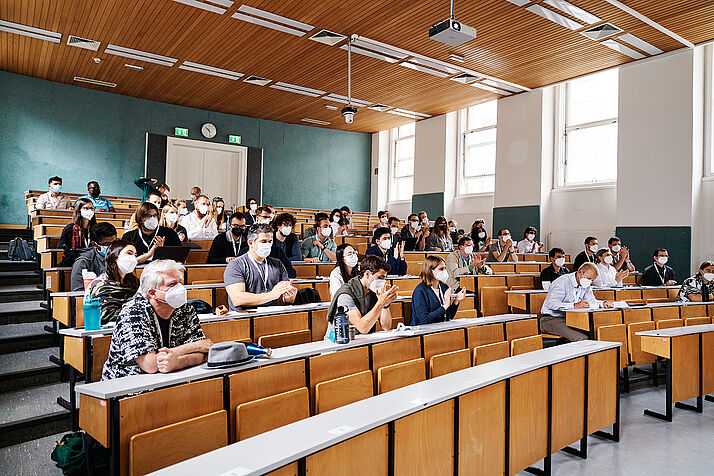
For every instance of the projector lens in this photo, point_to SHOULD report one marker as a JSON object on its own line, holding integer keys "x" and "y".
{"x": 457, "y": 25}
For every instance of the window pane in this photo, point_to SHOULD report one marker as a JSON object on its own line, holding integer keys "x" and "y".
{"x": 484, "y": 184}
{"x": 482, "y": 115}
{"x": 405, "y": 149}
{"x": 404, "y": 187}
{"x": 404, "y": 167}
{"x": 591, "y": 155}
{"x": 406, "y": 130}
{"x": 593, "y": 98}
{"x": 480, "y": 153}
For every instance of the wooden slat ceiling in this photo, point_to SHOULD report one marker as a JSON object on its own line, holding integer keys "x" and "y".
{"x": 512, "y": 44}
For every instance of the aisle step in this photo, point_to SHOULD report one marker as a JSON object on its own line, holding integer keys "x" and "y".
{"x": 32, "y": 413}
{"x": 29, "y": 368}
{"x": 24, "y": 336}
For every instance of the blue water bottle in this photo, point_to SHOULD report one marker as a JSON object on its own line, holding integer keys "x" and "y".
{"x": 255, "y": 349}
{"x": 342, "y": 326}
{"x": 92, "y": 315}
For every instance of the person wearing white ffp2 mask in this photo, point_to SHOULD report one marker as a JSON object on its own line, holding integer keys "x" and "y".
{"x": 568, "y": 292}
{"x": 117, "y": 284}
{"x": 432, "y": 299}
{"x": 414, "y": 234}
{"x": 700, "y": 287}
{"x": 285, "y": 239}
{"x": 391, "y": 253}
{"x": 557, "y": 268}
{"x": 171, "y": 336}
{"x": 200, "y": 224}
{"x": 529, "y": 244}
{"x": 620, "y": 255}
{"x": 659, "y": 274}
{"x": 608, "y": 276}
{"x": 463, "y": 261}
{"x": 504, "y": 249}
{"x": 149, "y": 235}
{"x": 320, "y": 247}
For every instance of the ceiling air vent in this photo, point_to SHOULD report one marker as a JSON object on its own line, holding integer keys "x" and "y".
{"x": 465, "y": 78}
{"x": 327, "y": 37}
{"x": 96, "y": 82}
{"x": 601, "y": 31}
{"x": 257, "y": 80}
{"x": 83, "y": 43}
{"x": 379, "y": 107}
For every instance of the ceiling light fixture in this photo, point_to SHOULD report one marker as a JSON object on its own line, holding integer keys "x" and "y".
{"x": 140, "y": 55}
{"x": 96, "y": 82}
{"x": 625, "y": 50}
{"x": 208, "y": 6}
{"x": 457, "y": 58}
{"x": 331, "y": 108}
{"x": 134, "y": 67}
{"x": 315, "y": 121}
{"x": 554, "y": 17}
{"x": 638, "y": 43}
{"x": 572, "y": 10}
{"x": 271, "y": 20}
{"x": 30, "y": 31}
{"x": 211, "y": 70}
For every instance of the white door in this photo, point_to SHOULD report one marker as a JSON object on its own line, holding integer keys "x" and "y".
{"x": 219, "y": 169}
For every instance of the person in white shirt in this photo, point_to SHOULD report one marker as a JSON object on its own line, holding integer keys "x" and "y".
{"x": 346, "y": 269}
{"x": 568, "y": 292}
{"x": 620, "y": 255}
{"x": 54, "y": 199}
{"x": 200, "y": 224}
{"x": 608, "y": 276}
{"x": 529, "y": 245}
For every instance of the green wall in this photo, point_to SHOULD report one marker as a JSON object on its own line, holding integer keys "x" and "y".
{"x": 643, "y": 240}
{"x": 516, "y": 219}
{"x": 431, "y": 203}
{"x": 49, "y": 128}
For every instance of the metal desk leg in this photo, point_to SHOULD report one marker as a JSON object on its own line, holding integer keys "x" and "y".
{"x": 668, "y": 415}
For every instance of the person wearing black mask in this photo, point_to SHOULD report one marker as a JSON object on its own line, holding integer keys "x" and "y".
{"x": 440, "y": 238}
{"x": 93, "y": 195}
{"x": 230, "y": 244}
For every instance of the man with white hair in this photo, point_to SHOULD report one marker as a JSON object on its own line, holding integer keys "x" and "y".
{"x": 568, "y": 292}
{"x": 157, "y": 330}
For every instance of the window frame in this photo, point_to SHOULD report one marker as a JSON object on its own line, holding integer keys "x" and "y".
{"x": 394, "y": 140}
{"x": 561, "y": 140}
{"x": 463, "y": 119}
{"x": 708, "y": 168}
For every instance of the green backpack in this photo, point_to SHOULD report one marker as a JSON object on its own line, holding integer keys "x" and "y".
{"x": 70, "y": 453}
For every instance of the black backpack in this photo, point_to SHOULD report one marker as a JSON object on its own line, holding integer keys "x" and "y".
{"x": 20, "y": 250}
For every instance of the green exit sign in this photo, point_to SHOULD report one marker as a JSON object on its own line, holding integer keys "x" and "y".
{"x": 180, "y": 131}
{"x": 234, "y": 139}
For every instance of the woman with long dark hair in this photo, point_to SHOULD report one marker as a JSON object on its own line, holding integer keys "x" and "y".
{"x": 219, "y": 213}
{"x": 149, "y": 235}
{"x": 117, "y": 284}
{"x": 346, "y": 269}
{"x": 75, "y": 236}
{"x": 440, "y": 238}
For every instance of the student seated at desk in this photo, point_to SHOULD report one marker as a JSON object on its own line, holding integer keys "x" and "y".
{"x": 200, "y": 224}
{"x": 463, "y": 261}
{"x": 54, "y": 199}
{"x": 608, "y": 276}
{"x": 254, "y": 278}
{"x": 383, "y": 216}
{"x": 102, "y": 235}
{"x": 75, "y": 236}
{"x": 658, "y": 273}
{"x": 557, "y": 268}
{"x": 568, "y": 292}
{"x": 93, "y": 195}
{"x": 346, "y": 269}
{"x": 228, "y": 245}
{"x": 312, "y": 231}
{"x": 432, "y": 299}
{"x": 700, "y": 287}
{"x": 588, "y": 255}
{"x": 528, "y": 244}
{"x": 366, "y": 298}
{"x": 480, "y": 236}
{"x": 284, "y": 238}
{"x": 503, "y": 249}
{"x": 440, "y": 237}
{"x": 251, "y": 216}
{"x": 620, "y": 255}
{"x": 170, "y": 219}
{"x": 414, "y": 234}
{"x": 117, "y": 284}
{"x": 152, "y": 185}
{"x": 320, "y": 247}
{"x": 384, "y": 248}
{"x": 337, "y": 223}
{"x": 220, "y": 215}
{"x": 149, "y": 235}
{"x": 157, "y": 330}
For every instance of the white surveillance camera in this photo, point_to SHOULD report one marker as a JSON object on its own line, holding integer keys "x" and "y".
{"x": 348, "y": 113}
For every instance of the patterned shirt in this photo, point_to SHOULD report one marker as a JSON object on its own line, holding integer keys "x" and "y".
{"x": 693, "y": 285}
{"x": 137, "y": 333}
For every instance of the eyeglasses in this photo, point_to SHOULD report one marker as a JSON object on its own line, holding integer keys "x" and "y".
{"x": 217, "y": 199}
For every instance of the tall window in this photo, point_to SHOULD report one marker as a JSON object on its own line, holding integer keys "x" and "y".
{"x": 588, "y": 125}
{"x": 477, "y": 164}
{"x": 709, "y": 114}
{"x": 402, "y": 173}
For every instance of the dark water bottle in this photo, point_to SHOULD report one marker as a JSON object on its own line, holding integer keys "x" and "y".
{"x": 342, "y": 326}
{"x": 255, "y": 349}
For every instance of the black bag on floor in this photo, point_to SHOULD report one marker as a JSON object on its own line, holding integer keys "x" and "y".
{"x": 70, "y": 453}
{"x": 307, "y": 295}
{"x": 20, "y": 250}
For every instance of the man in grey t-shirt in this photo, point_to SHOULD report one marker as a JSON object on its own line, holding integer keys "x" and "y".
{"x": 255, "y": 279}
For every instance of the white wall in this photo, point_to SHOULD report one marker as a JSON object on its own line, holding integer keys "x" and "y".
{"x": 430, "y": 155}
{"x": 380, "y": 161}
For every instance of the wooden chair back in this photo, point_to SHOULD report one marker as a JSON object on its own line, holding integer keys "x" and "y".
{"x": 442, "y": 364}
{"x": 523, "y": 328}
{"x": 482, "y": 335}
{"x": 394, "y": 376}
{"x": 336, "y": 364}
{"x": 616, "y": 333}
{"x": 606, "y": 318}
{"x": 285, "y": 339}
{"x": 343, "y": 391}
{"x": 669, "y": 323}
{"x": 537, "y": 303}
{"x": 657, "y": 300}
{"x": 393, "y": 352}
{"x": 659, "y": 313}
{"x": 222, "y": 331}
{"x": 526, "y": 344}
{"x": 466, "y": 314}
{"x": 490, "y": 352}
{"x": 648, "y": 294}
{"x": 265, "y": 414}
{"x": 637, "y": 355}
{"x": 636, "y": 315}
{"x": 693, "y": 311}
{"x": 494, "y": 300}
{"x": 697, "y": 321}
{"x": 442, "y": 342}
{"x": 279, "y": 323}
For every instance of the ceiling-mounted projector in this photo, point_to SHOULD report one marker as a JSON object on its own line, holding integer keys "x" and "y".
{"x": 452, "y": 32}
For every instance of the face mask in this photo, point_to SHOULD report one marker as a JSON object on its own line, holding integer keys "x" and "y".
{"x": 442, "y": 275}
{"x": 264, "y": 220}
{"x": 442, "y": 227}
{"x": 506, "y": 238}
{"x": 351, "y": 260}
{"x": 452, "y": 229}
{"x": 254, "y": 206}
{"x": 709, "y": 276}
{"x": 326, "y": 232}
{"x": 616, "y": 248}
{"x": 184, "y": 212}
{"x": 608, "y": 259}
{"x": 175, "y": 296}
{"x": 95, "y": 192}
{"x": 383, "y": 219}
{"x": 377, "y": 285}
{"x": 219, "y": 210}
{"x": 394, "y": 230}
{"x": 193, "y": 197}
{"x": 585, "y": 282}
{"x": 237, "y": 232}
{"x": 530, "y": 236}
{"x": 170, "y": 218}
{"x": 156, "y": 204}
{"x": 335, "y": 219}
{"x": 414, "y": 225}
{"x": 425, "y": 220}
{"x": 559, "y": 262}
{"x": 594, "y": 248}
{"x": 285, "y": 230}
{"x": 126, "y": 263}
{"x": 264, "y": 249}
{"x": 386, "y": 244}
{"x": 663, "y": 260}
{"x": 103, "y": 249}
{"x": 87, "y": 214}
{"x": 469, "y": 249}
{"x": 482, "y": 234}
{"x": 151, "y": 223}
{"x": 57, "y": 188}
{"x": 203, "y": 209}
{"x": 272, "y": 216}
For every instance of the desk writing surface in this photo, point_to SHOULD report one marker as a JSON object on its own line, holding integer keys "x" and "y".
{"x": 678, "y": 331}
{"x": 271, "y": 450}
{"x": 139, "y": 383}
